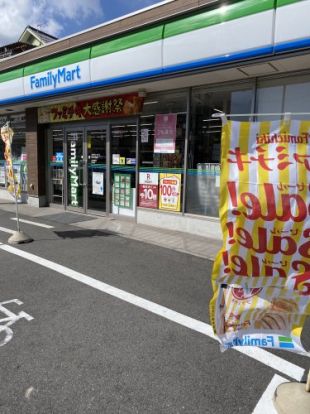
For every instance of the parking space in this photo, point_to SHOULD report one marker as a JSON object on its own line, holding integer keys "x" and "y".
{"x": 89, "y": 349}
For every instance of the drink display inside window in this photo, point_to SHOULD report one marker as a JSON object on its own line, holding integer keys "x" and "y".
{"x": 19, "y": 156}
{"x": 123, "y": 168}
{"x": 162, "y": 142}
{"x": 204, "y": 150}
{"x": 57, "y": 167}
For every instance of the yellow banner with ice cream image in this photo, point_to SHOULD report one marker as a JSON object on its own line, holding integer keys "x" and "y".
{"x": 7, "y": 137}
{"x": 261, "y": 276}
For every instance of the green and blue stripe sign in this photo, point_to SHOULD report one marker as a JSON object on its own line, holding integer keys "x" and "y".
{"x": 239, "y": 31}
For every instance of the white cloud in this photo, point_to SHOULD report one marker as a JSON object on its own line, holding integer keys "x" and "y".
{"x": 50, "y": 16}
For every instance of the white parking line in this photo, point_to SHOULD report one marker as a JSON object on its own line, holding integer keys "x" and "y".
{"x": 34, "y": 223}
{"x": 265, "y": 404}
{"x": 266, "y": 358}
{"x": 5, "y": 230}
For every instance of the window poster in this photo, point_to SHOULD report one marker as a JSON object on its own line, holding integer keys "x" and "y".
{"x": 165, "y": 133}
{"x": 148, "y": 190}
{"x": 122, "y": 191}
{"x": 170, "y": 192}
{"x": 115, "y": 158}
{"x": 98, "y": 183}
{"x": 144, "y": 135}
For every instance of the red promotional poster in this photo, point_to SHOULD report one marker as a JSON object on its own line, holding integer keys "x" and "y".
{"x": 165, "y": 133}
{"x": 148, "y": 190}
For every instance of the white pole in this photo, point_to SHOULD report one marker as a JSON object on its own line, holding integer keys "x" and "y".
{"x": 308, "y": 382}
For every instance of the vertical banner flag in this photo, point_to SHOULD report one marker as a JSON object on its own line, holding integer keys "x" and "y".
{"x": 7, "y": 137}
{"x": 261, "y": 276}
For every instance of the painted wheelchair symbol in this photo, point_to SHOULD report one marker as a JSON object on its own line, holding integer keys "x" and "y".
{"x": 6, "y": 333}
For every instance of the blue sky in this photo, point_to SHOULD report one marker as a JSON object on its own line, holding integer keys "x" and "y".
{"x": 61, "y": 17}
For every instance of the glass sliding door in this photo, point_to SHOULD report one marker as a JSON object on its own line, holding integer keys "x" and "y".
{"x": 123, "y": 168}
{"x": 57, "y": 167}
{"x": 96, "y": 169}
{"x": 75, "y": 169}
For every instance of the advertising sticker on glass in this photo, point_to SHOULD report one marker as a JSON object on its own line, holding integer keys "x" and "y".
{"x": 148, "y": 190}
{"x": 98, "y": 183}
{"x": 170, "y": 192}
{"x": 165, "y": 133}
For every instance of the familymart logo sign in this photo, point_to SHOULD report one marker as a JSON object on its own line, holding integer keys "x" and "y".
{"x": 58, "y": 78}
{"x": 55, "y": 78}
{"x": 268, "y": 341}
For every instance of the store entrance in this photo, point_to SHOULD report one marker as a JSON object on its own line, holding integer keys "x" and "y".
{"x": 92, "y": 168}
{"x": 78, "y": 168}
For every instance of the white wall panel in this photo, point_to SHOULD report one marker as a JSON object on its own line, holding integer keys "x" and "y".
{"x": 126, "y": 62}
{"x": 292, "y": 22}
{"x": 238, "y": 35}
{"x": 11, "y": 89}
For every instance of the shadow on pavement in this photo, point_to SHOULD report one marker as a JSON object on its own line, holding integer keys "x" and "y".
{"x": 76, "y": 234}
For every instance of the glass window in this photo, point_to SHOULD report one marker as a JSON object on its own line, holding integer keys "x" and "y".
{"x": 204, "y": 152}
{"x": 123, "y": 168}
{"x": 284, "y": 94}
{"x": 162, "y": 143}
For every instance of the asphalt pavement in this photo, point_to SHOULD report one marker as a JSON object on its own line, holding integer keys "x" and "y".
{"x": 116, "y": 325}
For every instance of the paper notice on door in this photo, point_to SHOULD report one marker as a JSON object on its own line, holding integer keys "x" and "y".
{"x": 98, "y": 183}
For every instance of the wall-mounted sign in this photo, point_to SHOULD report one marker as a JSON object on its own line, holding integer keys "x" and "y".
{"x": 148, "y": 190}
{"x": 165, "y": 133}
{"x": 170, "y": 192}
{"x": 108, "y": 107}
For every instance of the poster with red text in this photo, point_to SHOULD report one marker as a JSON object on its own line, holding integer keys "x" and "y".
{"x": 170, "y": 192}
{"x": 148, "y": 190}
{"x": 165, "y": 133}
{"x": 261, "y": 276}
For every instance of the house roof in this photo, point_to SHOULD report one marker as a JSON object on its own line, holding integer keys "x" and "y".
{"x": 42, "y": 37}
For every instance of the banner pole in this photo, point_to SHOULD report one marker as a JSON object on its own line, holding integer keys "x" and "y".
{"x": 16, "y": 204}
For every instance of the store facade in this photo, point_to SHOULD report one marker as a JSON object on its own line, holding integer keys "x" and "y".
{"x": 123, "y": 125}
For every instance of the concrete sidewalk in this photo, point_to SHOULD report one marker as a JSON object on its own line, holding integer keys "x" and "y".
{"x": 184, "y": 242}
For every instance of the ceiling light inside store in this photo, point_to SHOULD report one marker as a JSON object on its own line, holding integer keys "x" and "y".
{"x": 151, "y": 103}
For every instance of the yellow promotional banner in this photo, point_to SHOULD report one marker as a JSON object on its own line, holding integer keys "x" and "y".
{"x": 7, "y": 137}
{"x": 261, "y": 276}
{"x": 170, "y": 192}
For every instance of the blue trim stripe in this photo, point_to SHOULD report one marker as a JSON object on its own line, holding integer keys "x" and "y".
{"x": 296, "y": 44}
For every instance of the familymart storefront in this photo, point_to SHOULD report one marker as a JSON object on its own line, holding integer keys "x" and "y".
{"x": 92, "y": 154}
{"x": 92, "y": 144}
